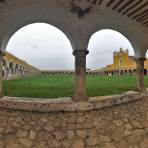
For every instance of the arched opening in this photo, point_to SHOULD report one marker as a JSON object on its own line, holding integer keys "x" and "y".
{"x": 145, "y": 72}
{"x": 5, "y": 64}
{"x": 113, "y": 53}
{"x": 121, "y": 72}
{"x": 125, "y": 72}
{"x": 146, "y": 62}
{"x": 135, "y": 72}
{"x": 11, "y": 69}
{"x": 20, "y": 70}
{"x": 16, "y": 69}
{"x": 5, "y": 69}
{"x": 130, "y": 72}
{"x": 41, "y": 48}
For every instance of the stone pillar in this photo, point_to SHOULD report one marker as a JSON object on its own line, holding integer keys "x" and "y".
{"x": 80, "y": 75}
{"x": 140, "y": 73}
{"x": 1, "y": 73}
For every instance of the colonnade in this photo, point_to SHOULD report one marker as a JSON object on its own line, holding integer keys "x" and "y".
{"x": 59, "y": 72}
{"x": 20, "y": 72}
{"x": 80, "y": 74}
{"x": 119, "y": 72}
{"x": 11, "y": 70}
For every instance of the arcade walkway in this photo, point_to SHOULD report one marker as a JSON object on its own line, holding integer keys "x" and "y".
{"x": 124, "y": 126}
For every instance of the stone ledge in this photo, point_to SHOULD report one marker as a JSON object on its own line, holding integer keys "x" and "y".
{"x": 66, "y": 104}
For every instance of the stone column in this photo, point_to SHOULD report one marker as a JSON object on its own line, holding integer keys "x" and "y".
{"x": 140, "y": 73}
{"x": 80, "y": 75}
{"x": 1, "y": 73}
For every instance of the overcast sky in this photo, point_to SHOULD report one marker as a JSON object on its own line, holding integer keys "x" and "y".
{"x": 46, "y": 47}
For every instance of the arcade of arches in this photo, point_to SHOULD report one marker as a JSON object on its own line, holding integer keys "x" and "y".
{"x": 77, "y": 19}
{"x": 61, "y": 125}
{"x": 14, "y": 67}
{"x": 123, "y": 64}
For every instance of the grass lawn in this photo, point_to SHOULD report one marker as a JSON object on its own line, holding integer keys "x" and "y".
{"x": 62, "y": 86}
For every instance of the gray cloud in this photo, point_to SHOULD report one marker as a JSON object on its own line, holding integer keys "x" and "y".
{"x": 46, "y": 47}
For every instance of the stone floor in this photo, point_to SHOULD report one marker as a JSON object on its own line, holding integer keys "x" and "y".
{"x": 123, "y": 126}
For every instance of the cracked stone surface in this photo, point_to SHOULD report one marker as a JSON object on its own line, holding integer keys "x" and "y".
{"x": 123, "y": 126}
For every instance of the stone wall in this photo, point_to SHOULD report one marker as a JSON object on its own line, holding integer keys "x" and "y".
{"x": 68, "y": 104}
{"x": 122, "y": 126}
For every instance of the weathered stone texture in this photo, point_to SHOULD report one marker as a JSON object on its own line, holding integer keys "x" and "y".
{"x": 123, "y": 126}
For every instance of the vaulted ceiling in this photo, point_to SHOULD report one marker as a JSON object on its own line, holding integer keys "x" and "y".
{"x": 136, "y": 10}
{"x": 79, "y": 19}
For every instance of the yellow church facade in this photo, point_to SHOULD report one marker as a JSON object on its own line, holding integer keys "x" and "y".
{"x": 123, "y": 64}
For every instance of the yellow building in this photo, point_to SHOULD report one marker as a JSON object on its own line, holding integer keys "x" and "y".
{"x": 14, "y": 67}
{"x": 123, "y": 64}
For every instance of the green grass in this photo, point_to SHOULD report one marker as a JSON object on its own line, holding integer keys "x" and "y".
{"x": 62, "y": 86}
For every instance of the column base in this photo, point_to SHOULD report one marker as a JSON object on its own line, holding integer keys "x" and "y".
{"x": 80, "y": 98}
{"x": 1, "y": 94}
{"x": 140, "y": 89}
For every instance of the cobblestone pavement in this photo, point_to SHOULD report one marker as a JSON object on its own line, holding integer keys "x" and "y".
{"x": 123, "y": 126}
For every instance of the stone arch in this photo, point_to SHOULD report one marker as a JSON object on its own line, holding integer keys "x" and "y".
{"x": 121, "y": 72}
{"x": 5, "y": 68}
{"x": 130, "y": 72}
{"x": 34, "y": 14}
{"x": 5, "y": 63}
{"x": 145, "y": 72}
{"x": 27, "y": 71}
{"x": 21, "y": 70}
{"x": 118, "y": 72}
{"x": 11, "y": 69}
{"x": 125, "y": 72}
{"x": 123, "y": 33}
{"x": 16, "y": 69}
{"x": 139, "y": 45}
{"x": 37, "y": 11}
{"x": 134, "y": 71}
{"x": 63, "y": 33}
{"x": 112, "y": 72}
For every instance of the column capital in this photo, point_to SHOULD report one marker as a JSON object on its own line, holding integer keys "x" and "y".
{"x": 2, "y": 53}
{"x": 140, "y": 59}
{"x": 80, "y": 53}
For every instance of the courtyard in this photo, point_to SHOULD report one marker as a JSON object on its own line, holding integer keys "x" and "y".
{"x": 74, "y": 74}
{"x": 54, "y": 86}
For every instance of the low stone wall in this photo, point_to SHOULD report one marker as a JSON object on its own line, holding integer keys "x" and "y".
{"x": 66, "y": 104}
